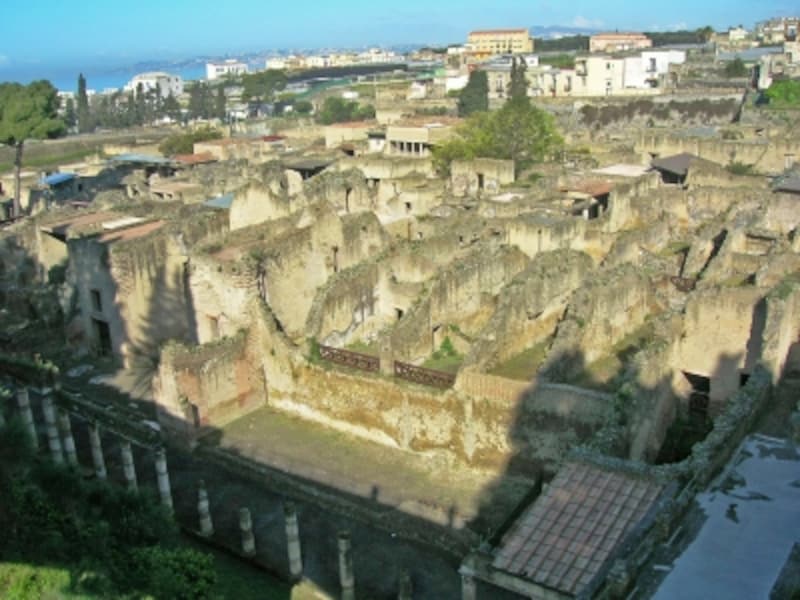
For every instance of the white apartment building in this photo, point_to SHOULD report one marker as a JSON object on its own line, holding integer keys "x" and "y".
{"x": 164, "y": 82}
{"x": 217, "y": 70}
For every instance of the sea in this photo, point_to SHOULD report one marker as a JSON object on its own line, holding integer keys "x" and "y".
{"x": 99, "y": 79}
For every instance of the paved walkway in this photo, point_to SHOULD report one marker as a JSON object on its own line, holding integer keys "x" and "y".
{"x": 750, "y": 525}
{"x": 410, "y": 482}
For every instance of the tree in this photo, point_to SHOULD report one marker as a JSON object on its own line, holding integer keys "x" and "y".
{"x": 518, "y": 86}
{"x": 261, "y": 87}
{"x": 784, "y": 93}
{"x": 171, "y": 107}
{"x": 84, "y": 115}
{"x": 303, "y": 107}
{"x": 475, "y": 96}
{"x": 183, "y": 143}
{"x": 70, "y": 116}
{"x": 27, "y": 112}
{"x": 736, "y": 68}
{"x": 219, "y": 103}
{"x": 705, "y": 34}
{"x": 338, "y": 110}
{"x": 519, "y": 132}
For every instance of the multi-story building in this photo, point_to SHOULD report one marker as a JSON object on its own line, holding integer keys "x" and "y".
{"x": 216, "y": 70}
{"x": 619, "y": 42}
{"x": 781, "y": 29}
{"x": 483, "y": 44}
{"x": 165, "y": 83}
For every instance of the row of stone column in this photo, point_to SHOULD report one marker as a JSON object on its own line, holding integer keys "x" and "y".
{"x": 61, "y": 444}
{"x": 62, "y": 448}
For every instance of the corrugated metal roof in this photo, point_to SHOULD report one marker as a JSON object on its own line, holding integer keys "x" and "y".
{"x": 134, "y": 157}
{"x": 58, "y": 178}
{"x": 223, "y": 202}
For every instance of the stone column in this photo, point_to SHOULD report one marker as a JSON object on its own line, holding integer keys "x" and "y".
{"x": 65, "y": 427}
{"x": 469, "y": 589}
{"x": 162, "y": 474}
{"x": 97, "y": 452}
{"x": 293, "y": 541}
{"x": 246, "y": 526}
{"x": 128, "y": 467}
{"x": 405, "y": 589}
{"x": 24, "y": 403}
{"x": 206, "y": 525}
{"x": 346, "y": 575}
{"x": 53, "y": 441}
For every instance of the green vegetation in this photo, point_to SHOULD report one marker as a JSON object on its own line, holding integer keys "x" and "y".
{"x": 519, "y": 131}
{"x": 475, "y": 95}
{"x": 96, "y": 540}
{"x": 740, "y": 168}
{"x": 559, "y": 61}
{"x": 27, "y": 112}
{"x": 525, "y": 365}
{"x": 183, "y": 143}
{"x": 784, "y": 93}
{"x": 446, "y": 358}
{"x": 736, "y": 68}
{"x": 262, "y": 86}
{"x": 566, "y": 43}
{"x": 339, "y": 110}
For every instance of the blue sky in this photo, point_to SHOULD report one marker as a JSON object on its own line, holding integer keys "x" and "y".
{"x": 88, "y": 33}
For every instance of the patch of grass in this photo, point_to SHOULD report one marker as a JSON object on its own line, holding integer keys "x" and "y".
{"x": 20, "y": 581}
{"x": 363, "y": 347}
{"x": 604, "y": 373}
{"x": 448, "y": 364}
{"x": 524, "y": 365}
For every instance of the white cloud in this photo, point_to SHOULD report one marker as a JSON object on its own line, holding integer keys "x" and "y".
{"x": 580, "y": 21}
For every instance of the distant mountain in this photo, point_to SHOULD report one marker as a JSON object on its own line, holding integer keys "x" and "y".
{"x": 553, "y": 32}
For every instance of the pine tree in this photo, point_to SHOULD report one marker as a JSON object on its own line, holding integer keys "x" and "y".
{"x": 84, "y": 115}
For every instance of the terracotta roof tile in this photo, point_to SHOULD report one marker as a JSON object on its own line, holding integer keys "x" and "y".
{"x": 563, "y": 539}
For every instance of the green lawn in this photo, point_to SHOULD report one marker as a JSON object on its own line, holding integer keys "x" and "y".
{"x": 524, "y": 365}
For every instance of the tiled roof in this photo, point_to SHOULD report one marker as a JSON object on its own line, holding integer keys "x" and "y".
{"x": 563, "y": 539}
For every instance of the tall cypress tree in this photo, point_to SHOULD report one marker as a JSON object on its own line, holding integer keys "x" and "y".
{"x": 84, "y": 115}
{"x": 475, "y": 96}
{"x": 518, "y": 86}
{"x": 219, "y": 103}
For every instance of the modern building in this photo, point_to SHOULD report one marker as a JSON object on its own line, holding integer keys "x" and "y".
{"x": 165, "y": 83}
{"x": 483, "y": 44}
{"x": 619, "y": 42}
{"x": 781, "y": 29}
{"x": 216, "y": 70}
{"x": 416, "y": 137}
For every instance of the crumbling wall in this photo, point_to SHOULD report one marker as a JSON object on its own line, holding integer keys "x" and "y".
{"x": 721, "y": 337}
{"x": 257, "y": 203}
{"x": 468, "y": 177}
{"x": 529, "y": 308}
{"x": 377, "y": 167}
{"x": 206, "y": 386}
{"x": 600, "y": 313}
{"x": 765, "y": 155}
{"x": 460, "y": 295}
{"x": 537, "y": 233}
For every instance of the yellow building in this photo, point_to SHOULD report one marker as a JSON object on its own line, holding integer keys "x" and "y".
{"x": 491, "y": 42}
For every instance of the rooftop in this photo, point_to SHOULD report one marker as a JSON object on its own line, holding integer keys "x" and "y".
{"x": 623, "y": 170}
{"x": 619, "y": 35}
{"x": 195, "y": 159}
{"x": 678, "y": 164}
{"x": 496, "y": 31}
{"x": 57, "y": 178}
{"x": 129, "y": 233}
{"x": 563, "y": 539}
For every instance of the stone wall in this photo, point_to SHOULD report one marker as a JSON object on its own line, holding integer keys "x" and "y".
{"x": 535, "y": 233}
{"x": 377, "y": 167}
{"x": 529, "y": 308}
{"x": 461, "y": 295}
{"x": 600, "y": 313}
{"x": 468, "y": 177}
{"x": 766, "y": 155}
{"x": 207, "y": 386}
